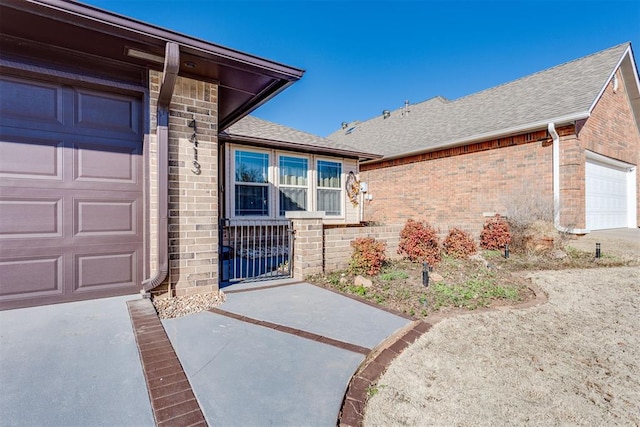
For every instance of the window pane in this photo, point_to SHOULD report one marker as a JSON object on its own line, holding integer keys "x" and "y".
{"x": 329, "y": 174}
{"x": 293, "y": 171}
{"x": 252, "y": 167}
{"x": 252, "y": 200}
{"x": 293, "y": 199}
{"x": 329, "y": 201}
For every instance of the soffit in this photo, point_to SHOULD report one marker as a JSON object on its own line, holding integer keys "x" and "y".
{"x": 246, "y": 81}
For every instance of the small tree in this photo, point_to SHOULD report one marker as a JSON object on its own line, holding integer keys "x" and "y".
{"x": 367, "y": 257}
{"x": 495, "y": 234}
{"x": 419, "y": 242}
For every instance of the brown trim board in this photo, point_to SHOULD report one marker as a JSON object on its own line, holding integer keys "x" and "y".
{"x": 172, "y": 399}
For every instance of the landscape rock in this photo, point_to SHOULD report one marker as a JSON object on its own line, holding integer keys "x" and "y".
{"x": 169, "y": 308}
{"x": 479, "y": 258}
{"x": 558, "y": 254}
{"x": 435, "y": 277}
{"x": 363, "y": 281}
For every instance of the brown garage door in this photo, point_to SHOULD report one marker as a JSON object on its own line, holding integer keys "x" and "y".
{"x": 70, "y": 193}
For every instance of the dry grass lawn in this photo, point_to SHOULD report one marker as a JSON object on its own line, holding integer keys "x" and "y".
{"x": 572, "y": 361}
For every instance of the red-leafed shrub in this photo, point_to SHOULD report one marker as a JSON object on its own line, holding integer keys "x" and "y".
{"x": 367, "y": 257}
{"x": 495, "y": 234}
{"x": 419, "y": 242}
{"x": 459, "y": 244}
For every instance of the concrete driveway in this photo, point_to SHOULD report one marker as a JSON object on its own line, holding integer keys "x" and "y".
{"x": 73, "y": 364}
{"x": 276, "y": 355}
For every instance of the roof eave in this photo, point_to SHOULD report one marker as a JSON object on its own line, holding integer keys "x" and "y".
{"x": 361, "y": 156}
{"x": 516, "y": 130}
{"x": 127, "y": 24}
{"x": 248, "y": 80}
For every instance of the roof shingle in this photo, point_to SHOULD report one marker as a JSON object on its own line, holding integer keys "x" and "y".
{"x": 252, "y": 129}
{"x": 563, "y": 92}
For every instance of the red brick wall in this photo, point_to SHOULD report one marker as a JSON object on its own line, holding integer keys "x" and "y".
{"x": 459, "y": 185}
{"x": 611, "y": 130}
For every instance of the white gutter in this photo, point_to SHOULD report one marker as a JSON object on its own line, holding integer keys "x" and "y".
{"x": 556, "y": 184}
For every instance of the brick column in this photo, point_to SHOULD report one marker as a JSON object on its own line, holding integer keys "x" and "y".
{"x": 307, "y": 243}
{"x": 193, "y": 197}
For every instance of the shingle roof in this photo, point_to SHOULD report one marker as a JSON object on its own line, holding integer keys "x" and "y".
{"x": 251, "y": 129}
{"x": 565, "y": 92}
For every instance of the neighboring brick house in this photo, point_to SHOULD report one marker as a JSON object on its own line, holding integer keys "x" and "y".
{"x": 103, "y": 190}
{"x": 567, "y": 137}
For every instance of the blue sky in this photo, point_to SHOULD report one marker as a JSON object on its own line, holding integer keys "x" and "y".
{"x": 362, "y": 57}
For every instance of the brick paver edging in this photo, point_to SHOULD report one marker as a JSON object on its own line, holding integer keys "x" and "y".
{"x": 172, "y": 399}
{"x": 353, "y": 405}
{"x": 293, "y": 331}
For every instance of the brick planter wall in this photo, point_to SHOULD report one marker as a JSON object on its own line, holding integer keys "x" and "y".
{"x": 337, "y": 243}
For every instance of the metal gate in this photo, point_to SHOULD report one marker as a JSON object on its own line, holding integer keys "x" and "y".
{"x": 255, "y": 250}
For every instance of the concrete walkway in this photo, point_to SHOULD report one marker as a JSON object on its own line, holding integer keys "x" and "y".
{"x": 273, "y": 355}
{"x": 277, "y": 356}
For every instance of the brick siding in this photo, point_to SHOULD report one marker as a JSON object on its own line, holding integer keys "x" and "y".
{"x": 193, "y": 199}
{"x": 612, "y": 131}
{"x": 455, "y": 187}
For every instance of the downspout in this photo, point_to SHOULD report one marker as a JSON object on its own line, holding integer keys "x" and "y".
{"x": 556, "y": 184}
{"x": 169, "y": 76}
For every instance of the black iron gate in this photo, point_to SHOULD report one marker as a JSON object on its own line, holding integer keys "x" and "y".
{"x": 255, "y": 250}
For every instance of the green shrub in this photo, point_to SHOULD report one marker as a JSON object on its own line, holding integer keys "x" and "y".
{"x": 495, "y": 234}
{"x": 459, "y": 244}
{"x": 419, "y": 242}
{"x": 367, "y": 257}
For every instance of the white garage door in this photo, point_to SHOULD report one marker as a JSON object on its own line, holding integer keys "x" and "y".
{"x": 606, "y": 196}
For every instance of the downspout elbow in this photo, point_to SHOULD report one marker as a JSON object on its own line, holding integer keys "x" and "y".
{"x": 169, "y": 77}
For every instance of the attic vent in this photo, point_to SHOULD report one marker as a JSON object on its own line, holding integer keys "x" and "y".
{"x": 351, "y": 129}
{"x": 386, "y": 114}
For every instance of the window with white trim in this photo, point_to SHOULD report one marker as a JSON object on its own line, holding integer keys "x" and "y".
{"x": 329, "y": 184}
{"x": 267, "y": 183}
{"x": 251, "y": 183}
{"x": 293, "y": 183}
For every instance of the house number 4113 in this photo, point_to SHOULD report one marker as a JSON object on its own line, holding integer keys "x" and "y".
{"x": 194, "y": 140}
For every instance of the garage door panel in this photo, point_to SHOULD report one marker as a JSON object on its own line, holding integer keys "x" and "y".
{"x": 38, "y": 103}
{"x": 71, "y": 195}
{"x": 96, "y": 271}
{"x": 106, "y": 217}
{"x": 113, "y": 114}
{"x": 30, "y": 158}
{"x": 31, "y": 276}
{"x": 26, "y": 218}
{"x": 605, "y": 195}
{"x": 98, "y": 162}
